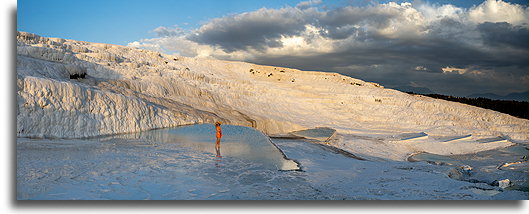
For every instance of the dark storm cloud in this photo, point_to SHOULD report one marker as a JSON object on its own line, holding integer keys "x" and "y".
{"x": 371, "y": 16}
{"x": 259, "y": 30}
{"x": 503, "y": 34}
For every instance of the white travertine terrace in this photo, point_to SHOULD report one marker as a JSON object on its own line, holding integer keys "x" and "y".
{"x": 71, "y": 89}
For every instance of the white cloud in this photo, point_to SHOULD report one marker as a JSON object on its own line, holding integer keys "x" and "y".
{"x": 307, "y": 4}
{"x": 149, "y": 44}
{"x": 433, "y": 13}
{"x": 306, "y": 43}
{"x": 498, "y": 11}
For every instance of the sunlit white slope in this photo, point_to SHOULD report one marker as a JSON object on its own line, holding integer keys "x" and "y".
{"x": 129, "y": 90}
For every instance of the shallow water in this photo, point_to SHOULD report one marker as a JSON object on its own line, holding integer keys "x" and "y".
{"x": 238, "y": 142}
{"x": 320, "y": 134}
{"x": 182, "y": 163}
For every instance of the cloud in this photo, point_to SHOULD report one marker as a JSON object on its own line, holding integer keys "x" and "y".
{"x": 168, "y": 32}
{"x": 308, "y": 4}
{"x": 498, "y": 11}
{"x": 394, "y": 44}
{"x": 503, "y": 34}
{"x": 258, "y": 30}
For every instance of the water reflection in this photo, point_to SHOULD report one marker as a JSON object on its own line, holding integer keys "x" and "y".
{"x": 242, "y": 143}
{"x": 217, "y": 149}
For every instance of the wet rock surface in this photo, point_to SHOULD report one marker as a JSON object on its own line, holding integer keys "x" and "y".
{"x": 505, "y": 168}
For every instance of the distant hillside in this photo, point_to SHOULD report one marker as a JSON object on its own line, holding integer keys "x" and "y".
{"x": 522, "y": 96}
{"x": 511, "y": 107}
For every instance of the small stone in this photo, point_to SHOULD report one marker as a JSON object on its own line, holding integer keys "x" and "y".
{"x": 504, "y": 183}
{"x": 460, "y": 173}
{"x": 466, "y": 168}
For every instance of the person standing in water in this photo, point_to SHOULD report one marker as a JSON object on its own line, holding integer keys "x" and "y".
{"x": 218, "y": 135}
{"x": 219, "y": 131}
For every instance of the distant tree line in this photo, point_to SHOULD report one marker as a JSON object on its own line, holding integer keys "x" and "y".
{"x": 511, "y": 107}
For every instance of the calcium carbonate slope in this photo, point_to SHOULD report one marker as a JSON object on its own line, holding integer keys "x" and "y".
{"x": 117, "y": 89}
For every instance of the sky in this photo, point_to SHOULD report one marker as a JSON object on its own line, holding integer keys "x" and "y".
{"x": 447, "y": 46}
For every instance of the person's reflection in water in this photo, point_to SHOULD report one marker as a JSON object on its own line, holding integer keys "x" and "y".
{"x": 217, "y": 144}
{"x": 217, "y": 149}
